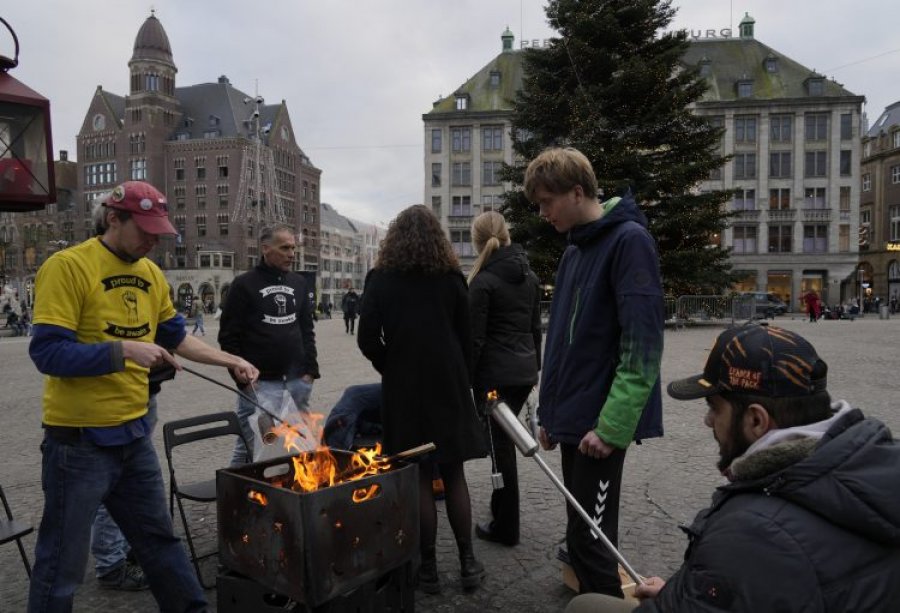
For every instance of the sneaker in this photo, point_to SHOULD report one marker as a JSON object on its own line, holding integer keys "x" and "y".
{"x": 128, "y": 577}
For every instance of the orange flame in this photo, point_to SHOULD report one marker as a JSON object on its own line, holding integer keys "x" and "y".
{"x": 319, "y": 468}
{"x": 492, "y": 395}
{"x": 366, "y": 493}
{"x": 257, "y": 497}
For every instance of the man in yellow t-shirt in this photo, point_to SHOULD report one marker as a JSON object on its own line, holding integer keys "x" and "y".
{"x": 101, "y": 308}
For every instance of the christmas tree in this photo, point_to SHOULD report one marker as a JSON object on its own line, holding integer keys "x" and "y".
{"x": 612, "y": 85}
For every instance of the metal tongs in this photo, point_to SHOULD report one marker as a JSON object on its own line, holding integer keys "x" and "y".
{"x": 526, "y": 444}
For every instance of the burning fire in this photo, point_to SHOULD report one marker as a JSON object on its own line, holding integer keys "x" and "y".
{"x": 319, "y": 468}
{"x": 492, "y": 395}
{"x": 257, "y": 497}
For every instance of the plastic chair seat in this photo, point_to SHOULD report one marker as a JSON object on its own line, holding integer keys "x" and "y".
{"x": 202, "y": 491}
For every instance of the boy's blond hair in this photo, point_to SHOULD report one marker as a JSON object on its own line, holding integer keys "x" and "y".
{"x": 559, "y": 169}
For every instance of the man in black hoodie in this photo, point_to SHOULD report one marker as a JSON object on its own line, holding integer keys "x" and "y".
{"x": 810, "y": 517}
{"x": 267, "y": 320}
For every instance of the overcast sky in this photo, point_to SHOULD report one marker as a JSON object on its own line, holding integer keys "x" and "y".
{"x": 357, "y": 75}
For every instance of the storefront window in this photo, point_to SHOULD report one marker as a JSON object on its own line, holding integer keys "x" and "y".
{"x": 779, "y": 284}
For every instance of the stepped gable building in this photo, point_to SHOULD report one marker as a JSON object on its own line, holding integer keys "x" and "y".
{"x": 878, "y": 274}
{"x": 467, "y": 139}
{"x": 228, "y": 163}
{"x": 794, "y": 135}
{"x": 795, "y": 140}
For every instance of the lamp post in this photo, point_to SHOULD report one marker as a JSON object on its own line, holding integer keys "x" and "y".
{"x": 27, "y": 181}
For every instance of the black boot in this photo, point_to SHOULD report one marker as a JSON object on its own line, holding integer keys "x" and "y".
{"x": 471, "y": 571}
{"x": 428, "y": 579}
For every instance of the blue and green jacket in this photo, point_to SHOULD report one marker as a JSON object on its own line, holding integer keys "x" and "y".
{"x": 605, "y": 339}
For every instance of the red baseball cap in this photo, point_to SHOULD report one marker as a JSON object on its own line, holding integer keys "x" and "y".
{"x": 146, "y": 204}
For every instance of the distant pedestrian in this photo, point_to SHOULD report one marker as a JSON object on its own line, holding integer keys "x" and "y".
{"x": 198, "y": 324}
{"x": 811, "y": 299}
{"x": 350, "y": 307}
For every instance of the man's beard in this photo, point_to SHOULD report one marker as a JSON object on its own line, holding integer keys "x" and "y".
{"x": 737, "y": 446}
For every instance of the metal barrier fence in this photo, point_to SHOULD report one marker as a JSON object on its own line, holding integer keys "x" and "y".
{"x": 683, "y": 311}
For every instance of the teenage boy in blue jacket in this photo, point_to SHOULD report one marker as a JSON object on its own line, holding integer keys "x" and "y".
{"x": 600, "y": 381}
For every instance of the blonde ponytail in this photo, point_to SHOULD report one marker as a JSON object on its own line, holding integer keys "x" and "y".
{"x": 489, "y": 233}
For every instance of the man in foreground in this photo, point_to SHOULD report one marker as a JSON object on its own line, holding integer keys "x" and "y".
{"x": 810, "y": 520}
{"x": 99, "y": 306}
{"x": 600, "y": 381}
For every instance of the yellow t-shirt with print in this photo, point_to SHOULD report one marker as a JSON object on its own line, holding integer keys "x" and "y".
{"x": 102, "y": 298}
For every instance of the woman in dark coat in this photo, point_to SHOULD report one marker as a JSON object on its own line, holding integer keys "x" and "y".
{"x": 504, "y": 299}
{"x": 414, "y": 328}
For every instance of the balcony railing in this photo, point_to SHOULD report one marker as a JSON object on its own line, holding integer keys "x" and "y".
{"x": 459, "y": 221}
{"x": 816, "y": 214}
{"x": 782, "y": 214}
{"x": 747, "y": 215}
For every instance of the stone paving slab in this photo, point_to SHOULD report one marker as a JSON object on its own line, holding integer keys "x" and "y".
{"x": 667, "y": 480}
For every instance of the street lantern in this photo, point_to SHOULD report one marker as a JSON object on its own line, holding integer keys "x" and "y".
{"x": 26, "y": 149}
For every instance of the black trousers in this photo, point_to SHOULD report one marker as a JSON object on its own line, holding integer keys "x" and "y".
{"x": 596, "y": 485}
{"x": 505, "y": 501}
{"x": 349, "y": 323}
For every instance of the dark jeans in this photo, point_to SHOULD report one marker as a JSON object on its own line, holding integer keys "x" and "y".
{"x": 505, "y": 501}
{"x": 76, "y": 477}
{"x": 596, "y": 485}
{"x": 349, "y": 323}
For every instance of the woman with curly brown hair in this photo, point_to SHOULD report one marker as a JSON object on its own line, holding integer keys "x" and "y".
{"x": 414, "y": 328}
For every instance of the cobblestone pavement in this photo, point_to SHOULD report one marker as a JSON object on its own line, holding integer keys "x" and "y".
{"x": 666, "y": 480}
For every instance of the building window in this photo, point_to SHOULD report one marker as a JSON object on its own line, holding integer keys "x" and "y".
{"x": 895, "y": 174}
{"x": 744, "y": 239}
{"x": 814, "y": 198}
{"x": 462, "y": 174}
{"x": 462, "y": 102}
{"x": 744, "y": 129}
{"x": 867, "y": 182}
{"x": 222, "y": 164}
{"x": 745, "y": 166}
{"x": 490, "y": 174}
{"x": 461, "y": 207}
{"x": 222, "y": 221}
{"x": 435, "y": 175}
{"x": 435, "y": 206}
{"x": 745, "y": 200}
{"x": 139, "y": 169}
{"x": 846, "y": 126}
{"x": 780, "y": 165}
{"x": 816, "y": 87}
{"x": 744, "y": 89}
{"x": 780, "y": 199}
{"x": 462, "y": 242}
{"x": 815, "y": 238}
{"x": 894, "y": 213}
{"x": 771, "y": 64}
{"x": 781, "y": 128}
{"x": 200, "y": 163}
{"x": 436, "y": 141}
{"x": 495, "y": 78}
{"x": 179, "y": 169}
{"x": 896, "y": 139}
{"x": 201, "y": 225}
{"x": 845, "y": 202}
{"x": 461, "y": 139}
{"x": 844, "y": 238}
{"x": 491, "y": 202}
{"x": 846, "y": 159}
{"x": 492, "y": 138}
{"x": 816, "y": 127}
{"x": 816, "y": 164}
{"x": 780, "y": 238}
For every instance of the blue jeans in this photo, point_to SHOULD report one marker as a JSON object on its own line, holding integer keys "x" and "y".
{"x": 76, "y": 477}
{"x": 269, "y": 394}
{"x": 108, "y": 544}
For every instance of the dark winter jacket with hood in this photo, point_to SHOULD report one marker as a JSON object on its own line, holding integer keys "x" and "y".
{"x": 605, "y": 340}
{"x": 504, "y": 302}
{"x": 267, "y": 320}
{"x": 806, "y": 525}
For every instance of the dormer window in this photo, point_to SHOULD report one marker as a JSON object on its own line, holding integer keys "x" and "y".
{"x": 188, "y": 122}
{"x": 705, "y": 66}
{"x": 462, "y": 102}
{"x": 744, "y": 88}
{"x": 495, "y": 78}
{"x": 815, "y": 86}
{"x": 213, "y": 120}
{"x": 771, "y": 64}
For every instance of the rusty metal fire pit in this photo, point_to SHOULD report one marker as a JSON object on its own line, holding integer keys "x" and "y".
{"x": 315, "y": 546}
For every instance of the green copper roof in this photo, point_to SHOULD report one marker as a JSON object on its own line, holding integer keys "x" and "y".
{"x": 482, "y": 95}
{"x": 734, "y": 59}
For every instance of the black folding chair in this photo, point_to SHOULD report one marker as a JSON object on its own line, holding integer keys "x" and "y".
{"x": 12, "y": 530}
{"x": 191, "y": 430}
